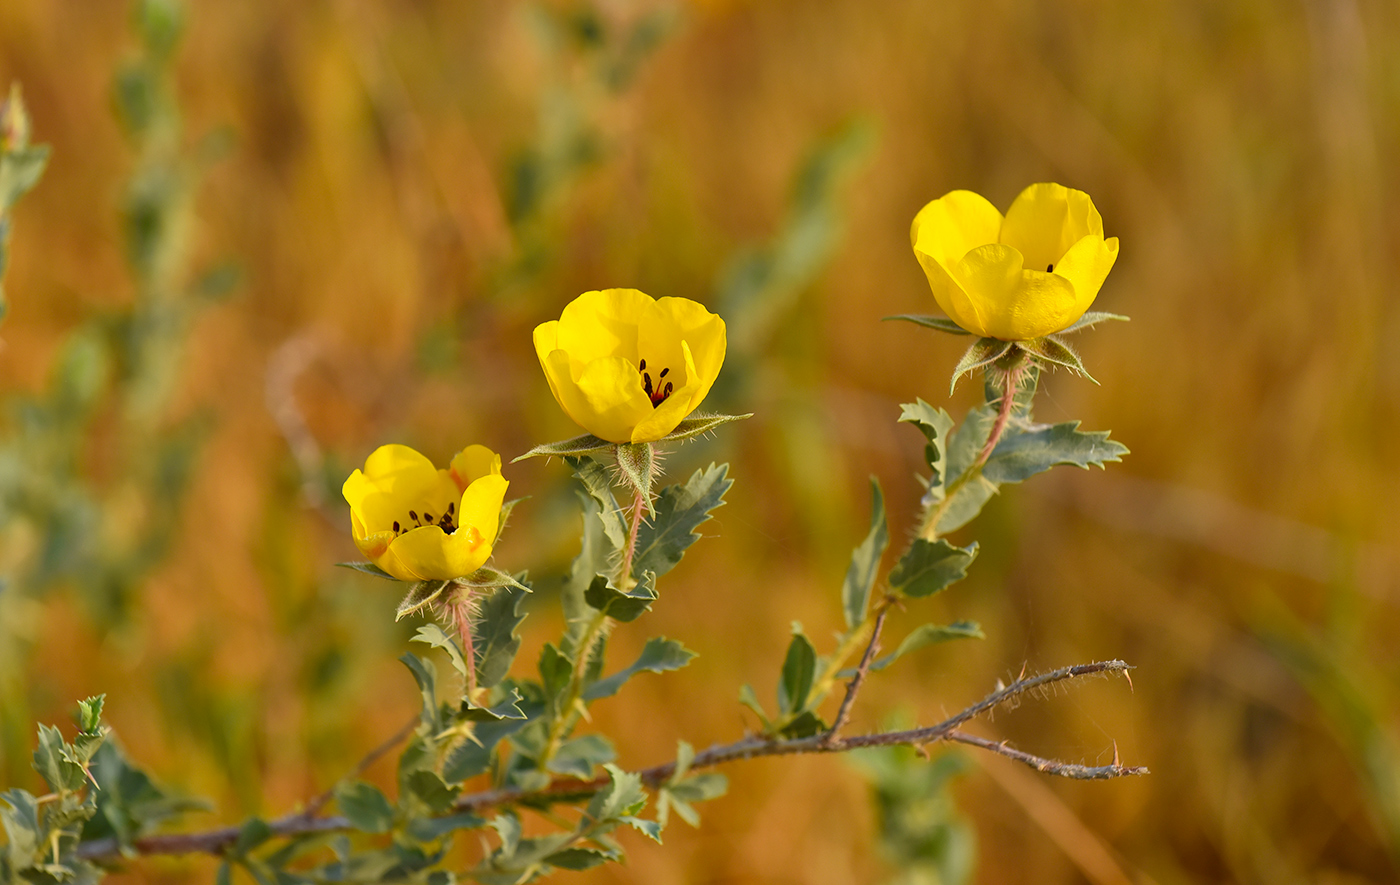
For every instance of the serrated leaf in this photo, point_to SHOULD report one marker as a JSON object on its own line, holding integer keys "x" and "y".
{"x": 620, "y": 606}
{"x": 658, "y": 656}
{"x": 1056, "y": 352}
{"x": 699, "y": 425}
{"x": 928, "y": 567}
{"x": 799, "y": 671}
{"x": 983, "y": 352}
{"x": 649, "y": 827}
{"x": 506, "y": 708}
{"x": 588, "y": 444}
{"x": 435, "y": 636}
{"x": 472, "y": 757}
{"x": 623, "y": 796}
{"x": 367, "y": 568}
{"x": 865, "y": 561}
{"x": 941, "y": 324}
{"x": 430, "y": 829}
{"x": 579, "y": 756}
{"x": 52, "y": 761}
{"x": 20, "y": 818}
{"x": 934, "y": 424}
{"x": 367, "y": 809}
{"x": 679, "y": 511}
{"x": 507, "y": 826}
{"x": 425, "y": 674}
{"x": 429, "y": 788}
{"x": 421, "y": 594}
{"x": 1092, "y": 318}
{"x": 1021, "y": 455}
{"x": 494, "y": 639}
{"x": 597, "y": 482}
{"x": 636, "y": 462}
{"x": 89, "y": 716}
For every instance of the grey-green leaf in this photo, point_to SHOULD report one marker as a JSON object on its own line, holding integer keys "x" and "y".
{"x": 367, "y": 809}
{"x": 927, "y": 567}
{"x": 579, "y": 756}
{"x": 679, "y": 511}
{"x": 1019, "y": 456}
{"x": 435, "y": 636}
{"x": 659, "y": 655}
{"x": 799, "y": 670}
{"x": 935, "y": 425}
{"x": 618, "y": 605}
{"x": 588, "y": 444}
{"x": 598, "y": 484}
{"x": 494, "y": 639}
{"x": 865, "y": 561}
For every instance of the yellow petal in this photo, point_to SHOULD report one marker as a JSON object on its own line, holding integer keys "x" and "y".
{"x": 950, "y": 296}
{"x": 605, "y": 397}
{"x": 989, "y": 276}
{"x": 954, "y": 224}
{"x": 602, "y": 324}
{"x": 481, "y": 507}
{"x": 672, "y": 411}
{"x": 1046, "y": 220}
{"x": 430, "y": 554}
{"x": 395, "y": 478}
{"x": 471, "y": 464}
{"x": 1086, "y": 265}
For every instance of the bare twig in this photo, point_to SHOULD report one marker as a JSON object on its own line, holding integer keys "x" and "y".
{"x": 561, "y": 789}
{"x": 843, "y": 714}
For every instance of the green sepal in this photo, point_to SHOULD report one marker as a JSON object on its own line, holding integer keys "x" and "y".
{"x": 367, "y": 568}
{"x": 929, "y": 566}
{"x": 636, "y": 462}
{"x": 929, "y": 321}
{"x": 799, "y": 671}
{"x": 588, "y": 444}
{"x": 1056, "y": 352}
{"x": 1092, "y": 318}
{"x": 367, "y": 809}
{"x": 679, "y": 511}
{"x": 865, "y": 561}
{"x": 490, "y": 579}
{"x": 421, "y": 595}
{"x": 618, "y": 605}
{"x": 983, "y": 352}
{"x": 928, "y": 634}
{"x": 658, "y": 656}
{"x": 699, "y": 425}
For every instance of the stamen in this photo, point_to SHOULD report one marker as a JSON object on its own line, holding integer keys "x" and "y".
{"x": 427, "y": 517}
{"x": 646, "y": 383}
{"x": 667, "y": 392}
{"x": 396, "y": 527}
{"x": 663, "y": 372}
{"x": 642, "y": 366}
{"x": 450, "y": 508}
{"x": 1049, "y": 268}
{"x": 413, "y": 516}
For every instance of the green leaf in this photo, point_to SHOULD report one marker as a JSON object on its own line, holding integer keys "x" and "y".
{"x": 934, "y": 424}
{"x": 636, "y": 462}
{"x": 555, "y": 673}
{"x": 928, "y": 634}
{"x": 20, "y": 170}
{"x": 577, "y": 859}
{"x": 749, "y": 699}
{"x": 425, "y": 674}
{"x": 367, "y": 809}
{"x": 472, "y": 757}
{"x": 253, "y": 833}
{"x": 494, "y": 639}
{"x": 699, "y": 425}
{"x": 616, "y": 604}
{"x": 624, "y": 796}
{"x": 20, "y": 818}
{"x": 367, "y": 568}
{"x": 1092, "y": 318}
{"x": 507, "y": 708}
{"x": 579, "y": 756}
{"x": 683, "y": 794}
{"x": 659, "y": 655}
{"x": 983, "y": 353}
{"x": 588, "y": 444}
{"x": 429, "y": 788}
{"x": 963, "y": 448}
{"x": 927, "y": 567}
{"x": 805, "y": 725}
{"x": 435, "y": 636}
{"x": 865, "y": 561}
{"x": 941, "y": 324}
{"x": 1051, "y": 349}
{"x": 421, "y": 594}
{"x": 54, "y": 764}
{"x": 507, "y": 826}
{"x": 649, "y": 827}
{"x": 598, "y": 484}
{"x": 1021, "y": 455}
{"x": 799, "y": 670}
{"x": 89, "y": 716}
{"x": 679, "y": 511}
{"x": 430, "y": 829}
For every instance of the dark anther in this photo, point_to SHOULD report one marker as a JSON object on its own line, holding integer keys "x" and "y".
{"x": 396, "y": 527}
{"x": 646, "y": 383}
{"x": 663, "y": 372}
{"x": 427, "y": 517}
{"x": 642, "y": 366}
{"x": 413, "y": 516}
{"x": 1049, "y": 268}
{"x": 667, "y": 392}
{"x": 450, "y": 508}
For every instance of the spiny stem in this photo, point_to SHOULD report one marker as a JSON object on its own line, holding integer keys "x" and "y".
{"x": 625, "y": 581}
{"x": 561, "y": 789}
{"x": 843, "y": 714}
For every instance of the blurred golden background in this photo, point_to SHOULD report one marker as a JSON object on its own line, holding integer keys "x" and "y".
{"x": 409, "y": 187}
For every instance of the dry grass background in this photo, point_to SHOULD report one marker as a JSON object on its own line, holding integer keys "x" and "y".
{"x": 1244, "y": 556}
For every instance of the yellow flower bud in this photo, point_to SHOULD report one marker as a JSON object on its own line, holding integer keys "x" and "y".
{"x": 1026, "y": 275}
{"x": 420, "y": 523}
{"x": 627, "y": 367}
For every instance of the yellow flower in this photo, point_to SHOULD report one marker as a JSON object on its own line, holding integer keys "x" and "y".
{"x": 986, "y": 270}
{"x": 419, "y": 523}
{"x": 627, "y": 367}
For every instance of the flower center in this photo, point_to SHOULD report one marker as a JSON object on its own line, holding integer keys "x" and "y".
{"x": 447, "y": 522}
{"x": 656, "y": 392}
